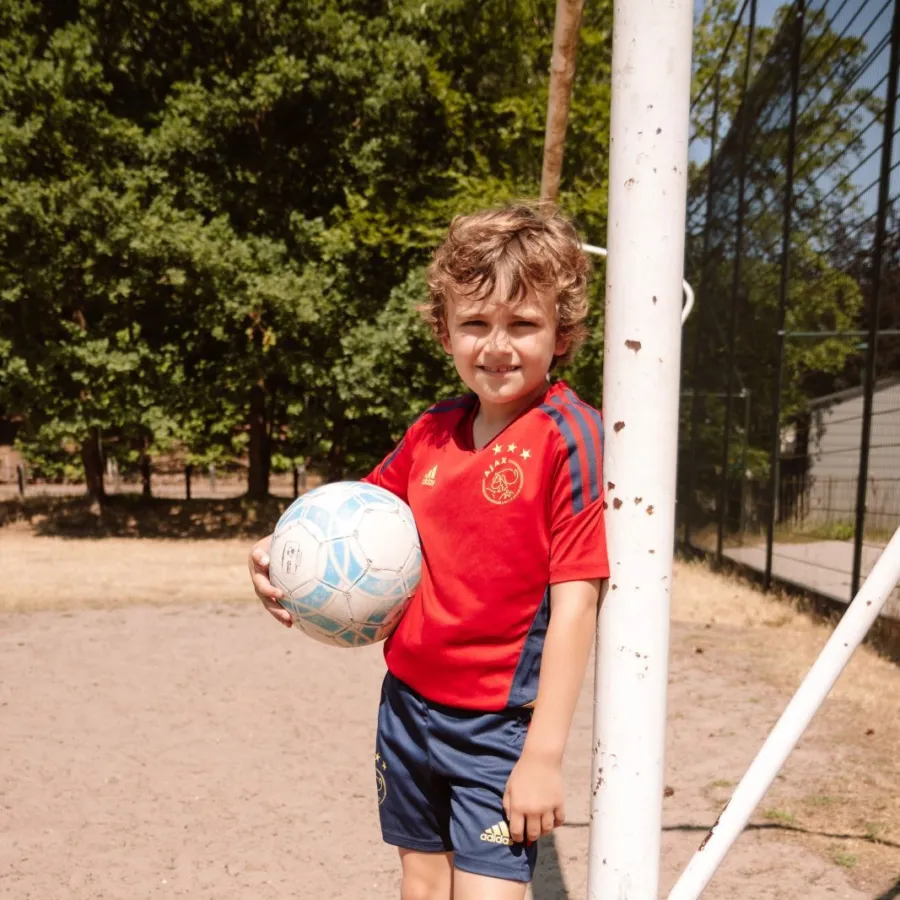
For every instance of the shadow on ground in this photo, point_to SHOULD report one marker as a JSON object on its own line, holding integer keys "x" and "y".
{"x": 132, "y": 516}
{"x": 892, "y": 893}
{"x": 549, "y": 883}
{"x": 779, "y": 826}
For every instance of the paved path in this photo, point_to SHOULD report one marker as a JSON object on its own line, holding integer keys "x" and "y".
{"x": 822, "y": 566}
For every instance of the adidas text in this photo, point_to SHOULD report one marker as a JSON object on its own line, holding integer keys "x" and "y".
{"x": 498, "y": 834}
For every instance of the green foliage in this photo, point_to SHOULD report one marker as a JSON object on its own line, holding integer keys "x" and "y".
{"x": 204, "y": 200}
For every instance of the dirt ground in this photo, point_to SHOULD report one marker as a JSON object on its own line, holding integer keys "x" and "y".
{"x": 162, "y": 737}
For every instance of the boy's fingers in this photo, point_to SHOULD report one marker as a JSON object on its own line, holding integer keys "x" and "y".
{"x": 264, "y": 588}
{"x": 533, "y": 826}
{"x": 278, "y": 612}
{"x": 517, "y": 827}
{"x": 548, "y": 823}
{"x": 559, "y": 816}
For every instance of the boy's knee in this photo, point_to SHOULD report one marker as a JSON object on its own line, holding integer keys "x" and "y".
{"x": 426, "y": 877}
{"x": 417, "y": 887}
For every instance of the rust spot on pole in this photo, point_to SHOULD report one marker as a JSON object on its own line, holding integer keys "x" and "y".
{"x": 654, "y": 300}
{"x": 659, "y": 130}
{"x": 613, "y": 587}
{"x": 618, "y": 427}
{"x": 633, "y": 345}
{"x": 617, "y": 503}
{"x": 610, "y": 485}
{"x": 629, "y": 183}
{"x": 650, "y": 510}
{"x": 637, "y": 500}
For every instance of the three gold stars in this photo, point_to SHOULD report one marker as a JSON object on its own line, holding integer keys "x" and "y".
{"x": 511, "y": 448}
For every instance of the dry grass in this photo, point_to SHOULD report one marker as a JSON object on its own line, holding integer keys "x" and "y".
{"x": 704, "y": 597}
{"x": 56, "y": 573}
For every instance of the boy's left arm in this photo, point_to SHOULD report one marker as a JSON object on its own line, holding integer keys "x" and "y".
{"x": 534, "y": 793}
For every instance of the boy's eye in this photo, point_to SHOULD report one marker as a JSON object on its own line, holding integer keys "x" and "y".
{"x": 523, "y": 323}
{"x": 469, "y": 322}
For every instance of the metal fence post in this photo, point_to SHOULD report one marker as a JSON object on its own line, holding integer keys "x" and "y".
{"x": 701, "y": 319}
{"x": 875, "y": 299}
{"x": 736, "y": 283}
{"x": 799, "y": 21}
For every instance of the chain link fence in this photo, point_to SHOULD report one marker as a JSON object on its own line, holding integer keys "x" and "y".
{"x": 789, "y": 457}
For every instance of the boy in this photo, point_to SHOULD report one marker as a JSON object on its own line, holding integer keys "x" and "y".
{"x": 505, "y": 486}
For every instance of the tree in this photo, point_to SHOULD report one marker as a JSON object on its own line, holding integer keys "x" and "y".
{"x": 220, "y": 215}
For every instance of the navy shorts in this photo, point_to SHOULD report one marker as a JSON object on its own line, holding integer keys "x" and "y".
{"x": 441, "y": 774}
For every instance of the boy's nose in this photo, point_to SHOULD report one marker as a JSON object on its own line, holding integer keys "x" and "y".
{"x": 498, "y": 340}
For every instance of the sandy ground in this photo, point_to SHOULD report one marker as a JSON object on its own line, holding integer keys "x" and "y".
{"x": 197, "y": 749}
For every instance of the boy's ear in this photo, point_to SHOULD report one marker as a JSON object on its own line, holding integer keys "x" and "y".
{"x": 562, "y": 344}
{"x": 445, "y": 342}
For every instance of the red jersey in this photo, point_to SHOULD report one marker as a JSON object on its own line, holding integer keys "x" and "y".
{"x": 498, "y": 526}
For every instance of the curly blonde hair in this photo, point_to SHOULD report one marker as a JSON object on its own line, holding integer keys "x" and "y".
{"x": 528, "y": 247}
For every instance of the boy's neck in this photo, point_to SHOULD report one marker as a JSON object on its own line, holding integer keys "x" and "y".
{"x": 491, "y": 419}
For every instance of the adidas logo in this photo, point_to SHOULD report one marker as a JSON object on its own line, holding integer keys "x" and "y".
{"x": 497, "y": 834}
{"x": 430, "y": 476}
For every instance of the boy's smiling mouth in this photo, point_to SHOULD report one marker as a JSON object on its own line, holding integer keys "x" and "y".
{"x": 499, "y": 370}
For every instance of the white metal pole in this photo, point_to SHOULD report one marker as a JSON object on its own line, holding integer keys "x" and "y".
{"x": 848, "y": 635}
{"x": 688, "y": 290}
{"x": 647, "y": 195}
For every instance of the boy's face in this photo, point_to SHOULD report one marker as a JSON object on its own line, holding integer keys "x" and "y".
{"x": 503, "y": 351}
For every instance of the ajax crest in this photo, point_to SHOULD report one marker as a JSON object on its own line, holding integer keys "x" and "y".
{"x": 503, "y": 479}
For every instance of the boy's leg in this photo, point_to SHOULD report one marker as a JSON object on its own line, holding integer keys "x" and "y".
{"x": 467, "y": 886}
{"x": 426, "y": 876}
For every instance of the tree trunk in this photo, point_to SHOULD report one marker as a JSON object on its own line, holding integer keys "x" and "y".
{"x": 335, "y": 463}
{"x": 146, "y": 474}
{"x": 92, "y": 460}
{"x": 258, "y": 479}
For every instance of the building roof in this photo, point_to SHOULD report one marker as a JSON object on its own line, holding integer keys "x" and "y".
{"x": 851, "y": 393}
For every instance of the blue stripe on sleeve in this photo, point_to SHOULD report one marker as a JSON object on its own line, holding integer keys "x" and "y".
{"x": 592, "y": 488}
{"x": 575, "y": 472}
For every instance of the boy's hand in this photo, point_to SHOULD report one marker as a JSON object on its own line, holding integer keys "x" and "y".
{"x": 258, "y": 563}
{"x": 534, "y": 798}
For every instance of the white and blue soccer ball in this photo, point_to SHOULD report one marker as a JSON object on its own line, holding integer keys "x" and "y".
{"x": 348, "y": 559}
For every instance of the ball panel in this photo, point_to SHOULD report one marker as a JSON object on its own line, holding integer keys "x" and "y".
{"x": 340, "y": 563}
{"x": 293, "y": 558}
{"x": 385, "y": 539}
{"x": 412, "y": 569}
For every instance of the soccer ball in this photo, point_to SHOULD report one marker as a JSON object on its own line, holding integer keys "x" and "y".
{"x": 348, "y": 559}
